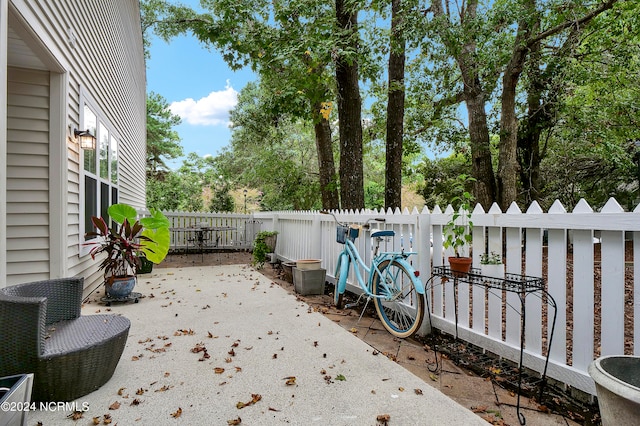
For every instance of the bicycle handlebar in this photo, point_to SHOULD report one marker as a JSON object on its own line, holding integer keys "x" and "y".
{"x": 365, "y": 225}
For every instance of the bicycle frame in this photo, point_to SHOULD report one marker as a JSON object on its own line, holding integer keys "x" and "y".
{"x": 351, "y": 255}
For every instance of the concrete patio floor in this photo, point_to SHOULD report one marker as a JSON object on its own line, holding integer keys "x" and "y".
{"x": 218, "y": 345}
{"x": 481, "y": 396}
{"x": 262, "y": 335}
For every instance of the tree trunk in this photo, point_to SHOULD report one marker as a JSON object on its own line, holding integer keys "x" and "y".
{"x": 465, "y": 54}
{"x": 530, "y": 129}
{"x": 508, "y": 156}
{"x": 326, "y": 166}
{"x": 482, "y": 170}
{"x": 349, "y": 113}
{"x": 395, "y": 112}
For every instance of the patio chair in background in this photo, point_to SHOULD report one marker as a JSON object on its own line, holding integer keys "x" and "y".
{"x": 42, "y": 332}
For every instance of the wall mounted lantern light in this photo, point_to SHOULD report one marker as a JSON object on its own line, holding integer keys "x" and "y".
{"x": 85, "y": 139}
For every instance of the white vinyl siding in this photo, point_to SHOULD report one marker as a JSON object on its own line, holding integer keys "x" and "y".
{"x": 27, "y": 176}
{"x": 92, "y": 47}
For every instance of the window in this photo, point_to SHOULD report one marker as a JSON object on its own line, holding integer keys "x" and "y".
{"x": 100, "y": 170}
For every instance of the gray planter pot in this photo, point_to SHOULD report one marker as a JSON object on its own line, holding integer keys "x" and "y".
{"x": 618, "y": 386}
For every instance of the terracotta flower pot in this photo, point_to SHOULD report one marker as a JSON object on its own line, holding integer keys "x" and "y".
{"x": 460, "y": 265}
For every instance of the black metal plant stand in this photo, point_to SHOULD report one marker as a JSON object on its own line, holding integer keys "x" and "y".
{"x": 522, "y": 285}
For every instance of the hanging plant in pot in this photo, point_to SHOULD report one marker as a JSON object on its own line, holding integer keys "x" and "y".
{"x": 125, "y": 244}
{"x": 457, "y": 232}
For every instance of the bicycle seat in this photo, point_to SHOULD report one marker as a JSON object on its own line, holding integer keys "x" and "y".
{"x": 379, "y": 233}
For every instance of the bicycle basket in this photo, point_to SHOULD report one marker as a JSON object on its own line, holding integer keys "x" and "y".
{"x": 344, "y": 232}
{"x": 341, "y": 234}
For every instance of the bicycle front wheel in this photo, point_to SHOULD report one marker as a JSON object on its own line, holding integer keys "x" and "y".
{"x": 342, "y": 272}
{"x": 401, "y": 308}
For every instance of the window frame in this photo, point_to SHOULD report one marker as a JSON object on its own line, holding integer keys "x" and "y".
{"x": 113, "y": 139}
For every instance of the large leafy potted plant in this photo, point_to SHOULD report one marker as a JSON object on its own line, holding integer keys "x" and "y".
{"x": 457, "y": 232}
{"x": 125, "y": 244}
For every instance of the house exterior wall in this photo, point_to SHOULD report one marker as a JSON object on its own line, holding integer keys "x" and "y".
{"x": 4, "y": 28}
{"x": 27, "y": 194}
{"x": 91, "y": 51}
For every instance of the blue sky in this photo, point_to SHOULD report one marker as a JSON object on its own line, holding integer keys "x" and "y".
{"x": 199, "y": 87}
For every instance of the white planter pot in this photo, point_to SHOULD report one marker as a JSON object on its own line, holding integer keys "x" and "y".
{"x": 617, "y": 380}
{"x": 493, "y": 271}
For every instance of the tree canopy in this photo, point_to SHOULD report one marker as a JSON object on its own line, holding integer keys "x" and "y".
{"x": 536, "y": 99}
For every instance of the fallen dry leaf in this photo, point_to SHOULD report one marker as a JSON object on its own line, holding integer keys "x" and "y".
{"x": 218, "y": 370}
{"x": 383, "y": 418}
{"x": 290, "y": 381}
{"x": 479, "y": 409}
{"x": 177, "y": 413}
{"x": 418, "y": 391}
{"x": 254, "y": 398}
{"x": 164, "y": 388}
{"x": 96, "y": 420}
{"x": 199, "y": 347}
{"x": 114, "y": 406}
{"x": 120, "y": 391}
{"x": 234, "y": 421}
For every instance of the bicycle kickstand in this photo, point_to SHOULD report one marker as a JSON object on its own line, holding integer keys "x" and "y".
{"x": 351, "y": 305}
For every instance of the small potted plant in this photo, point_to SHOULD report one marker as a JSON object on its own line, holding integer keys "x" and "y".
{"x": 264, "y": 243}
{"x": 491, "y": 265}
{"x": 457, "y": 232}
{"x": 125, "y": 244}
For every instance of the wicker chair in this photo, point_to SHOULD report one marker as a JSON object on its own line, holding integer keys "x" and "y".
{"x": 42, "y": 332}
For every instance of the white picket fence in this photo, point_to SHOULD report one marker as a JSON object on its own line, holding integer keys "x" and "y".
{"x": 557, "y": 245}
{"x": 240, "y": 234}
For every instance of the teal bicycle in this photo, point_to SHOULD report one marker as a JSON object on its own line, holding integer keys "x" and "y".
{"x": 392, "y": 282}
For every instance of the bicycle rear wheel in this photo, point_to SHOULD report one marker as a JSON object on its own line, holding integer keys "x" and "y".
{"x": 402, "y": 309}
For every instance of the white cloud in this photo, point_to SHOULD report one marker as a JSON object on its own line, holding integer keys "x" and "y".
{"x": 212, "y": 110}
